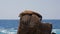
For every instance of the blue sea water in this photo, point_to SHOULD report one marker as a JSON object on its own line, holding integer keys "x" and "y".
{"x": 11, "y": 26}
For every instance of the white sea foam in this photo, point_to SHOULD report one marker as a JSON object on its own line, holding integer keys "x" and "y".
{"x": 6, "y": 31}
{"x": 12, "y": 31}
{"x": 54, "y": 30}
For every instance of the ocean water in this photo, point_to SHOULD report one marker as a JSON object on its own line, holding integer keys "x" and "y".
{"x": 12, "y": 31}
{"x": 11, "y": 26}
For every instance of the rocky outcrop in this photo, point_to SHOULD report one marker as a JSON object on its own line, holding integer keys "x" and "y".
{"x": 30, "y": 23}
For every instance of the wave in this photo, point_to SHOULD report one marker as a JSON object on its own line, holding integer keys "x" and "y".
{"x": 14, "y": 31}
{"x": 8, "y": 31}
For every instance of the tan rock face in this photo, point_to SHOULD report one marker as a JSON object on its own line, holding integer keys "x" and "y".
{"x": 29, "y": 12}
{"x": 30, "y": 23}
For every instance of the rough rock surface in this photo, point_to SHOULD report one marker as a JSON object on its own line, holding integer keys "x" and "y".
{"x": 30, "y": 23}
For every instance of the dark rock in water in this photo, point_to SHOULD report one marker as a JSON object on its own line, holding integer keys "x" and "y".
{"x": 30, "y": 23}
{"x": 53, "y": 33}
